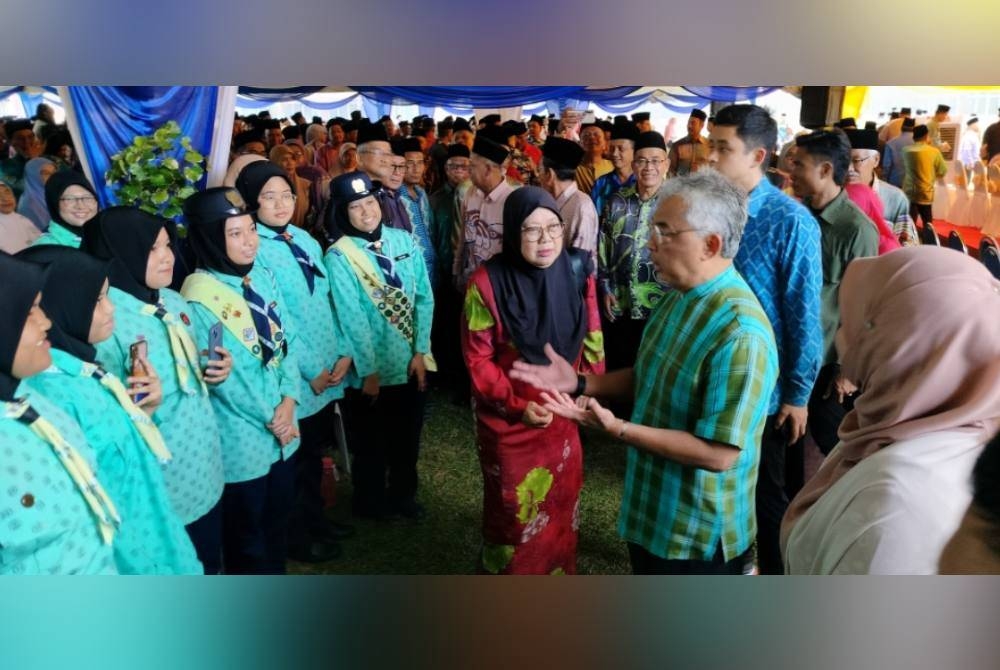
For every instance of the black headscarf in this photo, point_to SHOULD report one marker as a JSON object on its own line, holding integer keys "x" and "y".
{"x": 69, "y": 296}
{"x": 342, "y": 194}
{"x": 208, "y": 239}
{"x": 251, "y": 181}
{"x": 56, "y": 186}
{"x": 21, "y": 282}
{"x": 536, "y": 305}
{"x": 126, "y": 235}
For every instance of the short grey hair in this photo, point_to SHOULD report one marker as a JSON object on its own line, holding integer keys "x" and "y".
{"x": 315, "y": 130}
{"x": 714, "y": 206}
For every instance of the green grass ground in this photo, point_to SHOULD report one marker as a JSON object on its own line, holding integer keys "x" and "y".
{"x": 447, "y": 541}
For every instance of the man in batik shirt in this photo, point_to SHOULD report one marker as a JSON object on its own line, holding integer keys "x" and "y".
{"x": 627, "y": 282}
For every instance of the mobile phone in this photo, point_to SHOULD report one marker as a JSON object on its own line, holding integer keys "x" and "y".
{"x": 214, "y": 340}
{"x": 137, "y": 353}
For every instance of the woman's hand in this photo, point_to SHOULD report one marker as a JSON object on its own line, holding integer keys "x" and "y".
{"x": 418, "y": 368}
{"x": 370, "y": 387}
{"x": 218, "y": 371}
{"x": 536, "y": 416}
{"x": 320, "y": 382}
{"x": 283, "y": 423}
{"x": 842, "y": 387}
{"x": 340, "y": 370}
{"x": 585, "y": 411}
{"x": 559, "y": 376}
{"x": 148, "y": 384}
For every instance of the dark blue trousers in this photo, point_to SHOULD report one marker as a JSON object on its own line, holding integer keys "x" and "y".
{"x": 206, "y": 536}
{"x": 255, "y": 521}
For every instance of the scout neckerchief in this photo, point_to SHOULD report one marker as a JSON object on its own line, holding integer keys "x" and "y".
{"x": 265, "y": 321}
{"x": 182, "y": 347}
{"x": 306, "y": 264}
{"x": 76, "y": 466}
{"x": 389, "y": 298}
{"x": 233, "y": 311}
{"x": 150, "y": 433}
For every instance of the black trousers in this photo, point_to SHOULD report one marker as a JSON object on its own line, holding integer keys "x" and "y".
{"x": 384, "y": 437}
{"x": 255, "y": 521}
{"x": 308, "y": 519}
{"x": 923, "y": 211}
{"x": 772, "y": 496}
{"x": 645, "y": 563}
{"x": 826, "y": 414}
{"x": 621, "y": 341}
{"x": 206, "y": 536}
{"x": 446, "y": 342}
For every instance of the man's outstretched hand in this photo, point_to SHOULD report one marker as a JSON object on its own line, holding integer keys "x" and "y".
{"x": 559, "y": 376}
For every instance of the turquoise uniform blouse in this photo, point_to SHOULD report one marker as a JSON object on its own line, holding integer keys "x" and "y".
{"x": 46, "y": 527}
{"x": 244, "y": 403}
{"x": 58, "y": 236}
{"x": 378, "y": 346}
{"x": 151, "y": 539}
{"x": 315, "y": 332}
{"x": 185, "y": 418}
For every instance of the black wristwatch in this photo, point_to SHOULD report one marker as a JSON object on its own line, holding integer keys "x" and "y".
{"x": 581, "y": 385}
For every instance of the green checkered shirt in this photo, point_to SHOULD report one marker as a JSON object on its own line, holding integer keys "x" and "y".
{"x": 707, "y": 365}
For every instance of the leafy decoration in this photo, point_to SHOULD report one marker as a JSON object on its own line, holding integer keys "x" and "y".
{"x": 157, "y": 172}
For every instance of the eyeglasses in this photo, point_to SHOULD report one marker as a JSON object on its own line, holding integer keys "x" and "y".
{"x": 654, "y": 162}
{"x": 670, "y": 234}
{"x": 858, "y": 161}
{"x": 271, "y": 198}
{"x": 399, "y": 168}
{"x": 82, "y": 200}
{"x": 536, "y": 233}
{"x": 457, "y": 166}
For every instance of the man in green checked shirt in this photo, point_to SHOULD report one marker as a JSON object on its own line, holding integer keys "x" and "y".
{"x": 704, "y": 373}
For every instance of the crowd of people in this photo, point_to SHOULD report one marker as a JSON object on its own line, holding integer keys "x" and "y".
{"x": 709, "y": 303}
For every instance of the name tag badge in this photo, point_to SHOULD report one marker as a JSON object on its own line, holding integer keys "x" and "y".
{"x": 400, "y": 258}
{"x": 249, "y": 334}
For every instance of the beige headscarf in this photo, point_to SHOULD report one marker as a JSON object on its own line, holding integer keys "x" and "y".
{"x": 236, "y": 167}
{"x": 920, "y": 336}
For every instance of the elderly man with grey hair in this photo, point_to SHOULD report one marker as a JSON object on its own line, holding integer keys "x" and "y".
{"x": 701, "y": 384}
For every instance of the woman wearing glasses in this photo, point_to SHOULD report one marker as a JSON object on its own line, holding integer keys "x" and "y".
{"x": 323, "y": 354}
{"x": 386, "y": 312}
{"x": 72, "y": 202}
{"x": 532, "y": 296}
{"x": 283, "y": 156}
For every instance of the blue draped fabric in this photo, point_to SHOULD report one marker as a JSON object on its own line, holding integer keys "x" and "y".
{"x": 336, "y": 106}
{"x": 626, "y": 104}
{"x": 377, "y": 101}
{"x": 271, "y": 95}
{"x": 730, "y": 93}
{"x": 374, "y": 109}
{"x": 110, "y": 117}
{"x": 486, "y": 96}
{"x": 30, "y": 101}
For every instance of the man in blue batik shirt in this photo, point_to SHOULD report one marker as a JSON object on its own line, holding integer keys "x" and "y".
{"x": 621, "y": 152}
{"x": 779, "y": 256}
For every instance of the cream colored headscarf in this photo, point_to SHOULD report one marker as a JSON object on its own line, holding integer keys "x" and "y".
{"x": 237, "y": 166}
{"x": 920, "y": 336}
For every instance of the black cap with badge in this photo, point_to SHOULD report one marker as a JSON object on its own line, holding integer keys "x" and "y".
{"x": 206, "y": 213}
